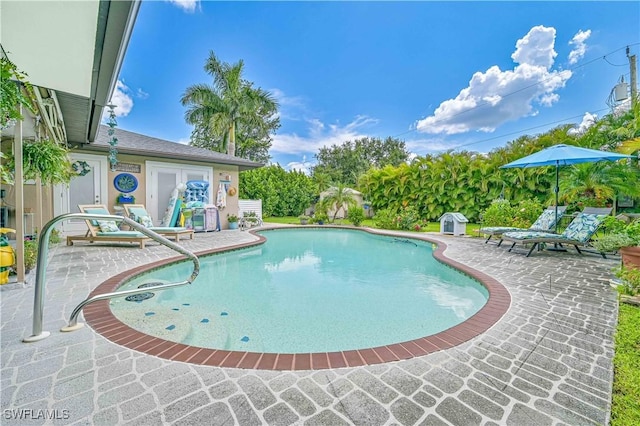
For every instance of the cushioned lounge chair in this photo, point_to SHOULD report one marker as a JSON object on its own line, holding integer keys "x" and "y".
{"x": 546, "y": 222}
{"x": 105, "y": 230}
{"x": 577, "y": 234}
{"x": 138, "y": 213}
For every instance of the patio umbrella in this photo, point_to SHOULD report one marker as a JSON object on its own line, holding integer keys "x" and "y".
{"x": 562, "y": 155}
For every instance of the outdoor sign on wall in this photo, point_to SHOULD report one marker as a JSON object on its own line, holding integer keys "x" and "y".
{"x": 129, "y": 167}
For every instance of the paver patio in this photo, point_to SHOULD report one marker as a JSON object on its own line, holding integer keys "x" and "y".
{"x": 548, "y": 361}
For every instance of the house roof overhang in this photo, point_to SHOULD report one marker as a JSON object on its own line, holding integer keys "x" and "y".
{"x": 73, "y": 49}
{"x": 147, "y": 146}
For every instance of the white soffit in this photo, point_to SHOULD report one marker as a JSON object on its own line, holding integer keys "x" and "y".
{"x": 52, "y": 41}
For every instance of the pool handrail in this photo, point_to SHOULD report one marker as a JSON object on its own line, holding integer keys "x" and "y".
{"x": 41, "y": 265}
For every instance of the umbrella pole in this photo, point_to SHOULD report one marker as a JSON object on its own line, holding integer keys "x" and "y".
{"x": 556, "y": 246}
{"x": 557, "y": 189}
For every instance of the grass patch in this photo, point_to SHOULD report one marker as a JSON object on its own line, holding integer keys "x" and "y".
{"x": 625, "y": 408}
{"x": 472, "y": 228}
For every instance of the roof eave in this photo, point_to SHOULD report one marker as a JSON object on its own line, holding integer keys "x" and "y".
{"x": 241, "y": 163}
{"x": 115, "y": 25}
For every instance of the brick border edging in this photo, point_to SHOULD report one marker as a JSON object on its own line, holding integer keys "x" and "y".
{"x": 99, "y": 317}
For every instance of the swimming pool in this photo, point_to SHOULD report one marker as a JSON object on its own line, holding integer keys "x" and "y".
{"x": 308, "y": 290}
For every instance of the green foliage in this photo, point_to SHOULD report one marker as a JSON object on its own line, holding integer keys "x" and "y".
{"x": 499, "y": 213}
{"x": 231, "y": 218}
{"x": 44, "y": 159}
{"x": 618, "y": 234}
{"x": 526, "y": 213}
{"x": 282, "y": 193}
{"x": 337, "y": 198}
{"x": 54, "y": 237}
{"x": 346, "y": 162}
{"x": 12, "y": 95}
{"x": 630, "y": 281}
{"x": 231, "y": 116}
{"x": 355, "y": 215}
{"x": 625, "y": 408}
{"x": 405, "y": 218}
{"x": 385, "y": 219}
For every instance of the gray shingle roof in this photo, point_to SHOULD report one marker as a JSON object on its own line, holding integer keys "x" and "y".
{"x": 137, "y": 144}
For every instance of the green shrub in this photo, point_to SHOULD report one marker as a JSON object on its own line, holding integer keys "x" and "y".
{"x": 526, "y": 213}
{"x": 630, "y": 280}
{"x": 385, "y": 219}
{"x": 355, "y": 215}
{"x": 499, "y": 213}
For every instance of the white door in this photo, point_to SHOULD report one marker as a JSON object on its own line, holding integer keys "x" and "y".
{"x": 88, "y": 189}
{"x": 163, "y": 178}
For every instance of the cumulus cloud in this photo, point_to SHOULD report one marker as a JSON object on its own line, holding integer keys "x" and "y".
{"x": 186, "y": 5}
{"x": 122, "y": 99}
{"x": 588, "y": 120}
{"x": 320, "y": 135}
{"x": 580, "y": 47}
{"x": 495, "y": 97}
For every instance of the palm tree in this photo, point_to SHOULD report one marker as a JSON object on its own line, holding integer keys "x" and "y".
{"x": 599, "y": 181}
{"x": 338, "y": 197}
{"x": 230, "y": 100}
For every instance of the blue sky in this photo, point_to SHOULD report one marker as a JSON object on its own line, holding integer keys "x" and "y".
{"x": 438, "y": 75}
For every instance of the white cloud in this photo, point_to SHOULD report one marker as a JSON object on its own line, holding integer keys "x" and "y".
{"x": 122, "y": 99}
{"x": 141, "y": 94}
{"x": 186, "y": 5}
{"x": 303, "y": 166}
{"x": 580, "y": 48}
{"x": 320, "y": 135}
{"x": 184, "y": 141}
{"x": 495, "y": 96}
{"x": 588, "y": 120}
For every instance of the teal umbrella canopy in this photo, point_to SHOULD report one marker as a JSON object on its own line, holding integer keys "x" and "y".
{"x": 563, "y": 155}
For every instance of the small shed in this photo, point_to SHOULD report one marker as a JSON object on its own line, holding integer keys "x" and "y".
{"x": 453, "y": 223}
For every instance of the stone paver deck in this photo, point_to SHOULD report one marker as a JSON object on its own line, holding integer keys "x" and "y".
{"x": 548, "y": 361}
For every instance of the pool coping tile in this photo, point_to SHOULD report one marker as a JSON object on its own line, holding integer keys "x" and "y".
{"x": 99, "y": 317}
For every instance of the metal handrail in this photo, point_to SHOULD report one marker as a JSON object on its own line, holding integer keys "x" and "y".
{"x": 43, "y": 251}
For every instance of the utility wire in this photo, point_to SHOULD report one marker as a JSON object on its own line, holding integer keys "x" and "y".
{"x": 530, "y": 86}
{"x": 525, "y": 130}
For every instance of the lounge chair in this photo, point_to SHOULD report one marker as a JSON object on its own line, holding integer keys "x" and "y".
{"x": 546, "y": 222}
{"x": 578, "y": 233}
{"x": 138, "y": 213}
{"x": 105, "y": 230}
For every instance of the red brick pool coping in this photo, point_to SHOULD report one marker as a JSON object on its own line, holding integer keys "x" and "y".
{"x": 99, "y": 316}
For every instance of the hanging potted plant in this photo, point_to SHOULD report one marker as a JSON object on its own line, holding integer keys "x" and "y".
{"x": 44, "y": 159}
{"x": 12, "y": 95}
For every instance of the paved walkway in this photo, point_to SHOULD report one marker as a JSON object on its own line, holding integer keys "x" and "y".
{"x": 547, "y": 362}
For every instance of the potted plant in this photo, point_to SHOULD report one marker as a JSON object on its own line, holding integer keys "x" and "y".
{"x": 304, "y": 219}
{"x": 623, "y": 238}
{"x": 321, "y": 218}
{"x": 233, "y": 221}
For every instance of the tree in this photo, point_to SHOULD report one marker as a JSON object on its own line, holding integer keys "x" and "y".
{"x": 338, "y": 197}
{"x": 282, "y": 193}
{"x": 345, "y": 163}
{"x": 599, "y": 183}
{"x": 231, "y": 111}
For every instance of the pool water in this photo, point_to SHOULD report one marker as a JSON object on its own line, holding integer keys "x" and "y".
{"x": 307, "y": 290}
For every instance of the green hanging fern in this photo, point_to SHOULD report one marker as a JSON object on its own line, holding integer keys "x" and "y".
{"x": 11, "y": 94}
{"x": 44, "y": 159}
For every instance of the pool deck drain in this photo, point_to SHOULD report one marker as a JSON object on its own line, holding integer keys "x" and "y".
{"x": 548, "y": 360}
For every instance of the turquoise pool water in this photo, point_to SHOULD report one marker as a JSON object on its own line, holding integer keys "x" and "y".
{"x": 307, "y": 290}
